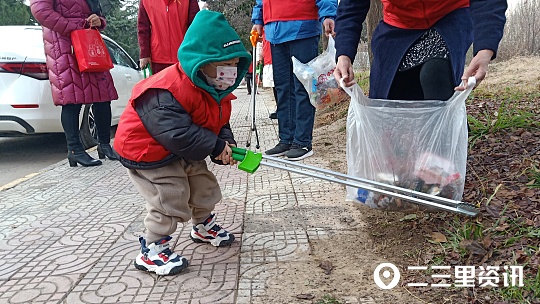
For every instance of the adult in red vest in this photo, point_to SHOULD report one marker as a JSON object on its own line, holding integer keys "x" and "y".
{"x": 419, "y": 48}
{"x": 293, "y": 28}
{"x": 161, "y": 26}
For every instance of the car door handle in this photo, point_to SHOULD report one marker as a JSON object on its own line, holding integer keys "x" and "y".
{"x": 128, "y": 76}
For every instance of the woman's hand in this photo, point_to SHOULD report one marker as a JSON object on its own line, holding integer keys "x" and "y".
{"x": 344, "y": 71}
{"x": 477, "y": 68}
{"x": 258, "y": 28}
{"x": 329, "y": 26}
{"x": 94, "y": 20}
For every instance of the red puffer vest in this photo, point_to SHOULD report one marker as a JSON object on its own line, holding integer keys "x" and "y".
{"x": 133, "y": 142}
{"x": 284, "y": 10}
{"x": 418, "y": 14}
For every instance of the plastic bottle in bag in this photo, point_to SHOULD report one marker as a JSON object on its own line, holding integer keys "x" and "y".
{"x": 364, "y": 196}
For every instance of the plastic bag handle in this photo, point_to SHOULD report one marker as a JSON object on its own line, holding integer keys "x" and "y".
{"x": 471, "y": 83}
{"x": 347, "y": 90}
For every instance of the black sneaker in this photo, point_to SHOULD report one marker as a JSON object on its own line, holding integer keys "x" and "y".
{"x": 273, "y": 115}
{"x": 278, "y": 150}
{"x": 297, "y": 152}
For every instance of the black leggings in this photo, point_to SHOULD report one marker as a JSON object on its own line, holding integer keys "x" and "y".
{"x": 432, "y": 80}
{"x": 70, "y": 123}
{"x": 249, "y": 81}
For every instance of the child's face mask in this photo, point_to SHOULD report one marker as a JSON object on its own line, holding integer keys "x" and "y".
{"x": 226, "y": 77}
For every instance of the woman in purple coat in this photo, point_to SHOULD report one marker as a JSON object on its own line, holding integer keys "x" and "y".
{"x": 71, "y": 88}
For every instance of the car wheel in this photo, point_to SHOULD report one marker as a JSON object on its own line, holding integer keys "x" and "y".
{"x": 88, "y": 131}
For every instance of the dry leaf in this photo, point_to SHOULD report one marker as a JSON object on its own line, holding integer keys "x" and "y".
{"x": 502, "y": 227}
{"x": 408, "y": 217}
{"x": 521, "y": 256}
{"x": 486, "y": 241}
{"x": 438, "y": 237}
{"x": 327, "y": 266}
{"x": 305, "y": 296}
{"x": 473, "y": 247}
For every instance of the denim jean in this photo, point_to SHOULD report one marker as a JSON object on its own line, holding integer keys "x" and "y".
{"x": 295, "y": 113}
{"x": 70, "y": 123}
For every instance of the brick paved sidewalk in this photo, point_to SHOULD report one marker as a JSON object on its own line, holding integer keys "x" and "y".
{"x": 69, "y": 235}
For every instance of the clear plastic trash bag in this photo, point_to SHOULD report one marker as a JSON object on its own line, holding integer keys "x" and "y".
{"x": 318, "y": 78}
{"x": 418, "y": 145}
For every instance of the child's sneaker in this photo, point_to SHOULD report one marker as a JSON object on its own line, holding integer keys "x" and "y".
{"x": 159, "y": 258}
{"x": 210, "y": 232}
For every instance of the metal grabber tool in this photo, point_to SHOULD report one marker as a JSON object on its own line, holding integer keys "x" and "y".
{"x": 250, "y": 162}
{"x": 254, "y": 38}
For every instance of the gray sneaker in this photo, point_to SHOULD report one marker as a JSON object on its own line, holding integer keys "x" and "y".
{"x": 278, "y": 150}
{"x": 297, "y": 152}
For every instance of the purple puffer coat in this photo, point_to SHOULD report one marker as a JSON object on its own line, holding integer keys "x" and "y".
{"x": 69, "y": 86}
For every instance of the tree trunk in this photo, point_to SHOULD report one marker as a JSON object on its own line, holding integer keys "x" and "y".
{"x": 373, "y": 17}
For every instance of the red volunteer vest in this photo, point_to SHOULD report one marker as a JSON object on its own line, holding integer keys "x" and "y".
{"x": 285, "y": 10}
{"x": 133, "y": 142}
{"x": 418, "y": 14}
{"x": 169, "y": 19}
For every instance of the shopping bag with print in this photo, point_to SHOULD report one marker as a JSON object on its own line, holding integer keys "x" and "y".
{"x": 90, "y": 50}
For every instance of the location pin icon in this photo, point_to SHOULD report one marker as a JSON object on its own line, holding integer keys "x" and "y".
{"x": 386, "y": 274}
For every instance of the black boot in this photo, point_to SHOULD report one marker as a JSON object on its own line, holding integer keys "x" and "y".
{"x": 106, "y": 150}
{"x": 82, "y": 158}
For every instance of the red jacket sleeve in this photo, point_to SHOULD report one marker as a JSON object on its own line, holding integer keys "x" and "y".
{"x": 143, "y": 32}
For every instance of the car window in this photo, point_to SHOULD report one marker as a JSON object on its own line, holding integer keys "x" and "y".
{"x": 21, "y": 41}
{"x": 118, "y": 56}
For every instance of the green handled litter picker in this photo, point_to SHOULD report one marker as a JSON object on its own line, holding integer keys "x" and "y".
{"x": 250, "y": 162}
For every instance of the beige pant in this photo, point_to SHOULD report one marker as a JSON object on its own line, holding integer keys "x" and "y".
{"x": 175, "y": 193}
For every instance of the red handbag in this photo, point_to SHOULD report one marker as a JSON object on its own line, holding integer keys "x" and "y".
{"x": 90, "y": 50}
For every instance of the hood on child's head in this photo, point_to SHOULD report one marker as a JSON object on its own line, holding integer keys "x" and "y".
{"x": 210, "y": 38}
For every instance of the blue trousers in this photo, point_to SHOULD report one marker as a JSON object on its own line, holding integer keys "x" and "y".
{"x": 295, "y": 113}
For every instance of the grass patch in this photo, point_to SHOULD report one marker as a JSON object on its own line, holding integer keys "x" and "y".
{"x": 328, "y": 299}
{"x": 529, "y": 293}
{"x": 460, "y": 231}
{"x": 362, "y": 78}
{"x": 534, "y": 175}
{"x": 506, "y": 117}
{"x": 517, "y": 231}
{"x": 506, "y": 93}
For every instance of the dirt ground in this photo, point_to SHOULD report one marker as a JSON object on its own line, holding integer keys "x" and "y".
{"x": 342, "y": 266}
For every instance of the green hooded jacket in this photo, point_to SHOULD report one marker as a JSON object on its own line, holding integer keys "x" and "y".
{"x": 211, "y": 38}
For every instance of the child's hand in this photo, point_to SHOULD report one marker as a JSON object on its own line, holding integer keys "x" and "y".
{"x": 226, "y": 155}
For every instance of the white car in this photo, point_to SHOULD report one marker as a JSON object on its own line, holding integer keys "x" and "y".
{"x": 26, "y": 105}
